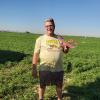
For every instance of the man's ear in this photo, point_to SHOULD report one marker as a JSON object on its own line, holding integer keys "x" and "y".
{"x": 54, "y": 27}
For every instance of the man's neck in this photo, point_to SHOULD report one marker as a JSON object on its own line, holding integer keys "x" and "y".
{"x": 51, "y": 34}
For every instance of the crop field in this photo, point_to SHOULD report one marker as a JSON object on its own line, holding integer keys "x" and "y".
{"x": 81, "y": 69}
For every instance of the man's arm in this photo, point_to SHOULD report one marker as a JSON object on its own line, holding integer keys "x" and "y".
{"x": 36, "y": 57}
{"x": 34, "y": 64}
{"x": 65, "y": 48}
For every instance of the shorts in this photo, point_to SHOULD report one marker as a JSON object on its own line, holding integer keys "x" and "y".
{"x": 51, "y": 78}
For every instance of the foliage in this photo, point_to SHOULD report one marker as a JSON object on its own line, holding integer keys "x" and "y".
{"x": 81, "y": 66}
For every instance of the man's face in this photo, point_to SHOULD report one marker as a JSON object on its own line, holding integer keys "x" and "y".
{"x": 49, "y": 28}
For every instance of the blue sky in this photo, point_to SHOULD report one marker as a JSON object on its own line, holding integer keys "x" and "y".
{"x": 72, "y": 17}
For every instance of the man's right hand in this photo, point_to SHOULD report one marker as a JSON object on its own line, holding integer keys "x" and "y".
{"x": 34, "y": 71}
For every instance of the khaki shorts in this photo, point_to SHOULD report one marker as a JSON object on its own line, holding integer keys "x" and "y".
{"x": 51, "y": 78}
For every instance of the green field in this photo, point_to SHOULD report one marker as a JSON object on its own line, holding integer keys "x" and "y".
{"x": 81, "y": 67}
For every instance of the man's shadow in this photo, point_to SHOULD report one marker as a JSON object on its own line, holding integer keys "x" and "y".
{"x": 90, "y": 91}
{"x": 12, "y": 56}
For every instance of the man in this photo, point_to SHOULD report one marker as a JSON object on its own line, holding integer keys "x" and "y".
{"x": 49, "y": 49}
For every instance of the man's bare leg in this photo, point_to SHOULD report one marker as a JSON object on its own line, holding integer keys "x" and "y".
{"x": 59, "y": 92}
{"x": 41, "y": 92}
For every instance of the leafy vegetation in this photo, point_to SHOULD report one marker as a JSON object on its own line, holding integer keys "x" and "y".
{"x": 81, "y": 67}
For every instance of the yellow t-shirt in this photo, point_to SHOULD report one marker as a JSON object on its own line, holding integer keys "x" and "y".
{"x": 50, "y": 53}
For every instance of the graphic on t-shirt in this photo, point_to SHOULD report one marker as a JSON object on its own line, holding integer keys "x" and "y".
{"x": 52, "y": 44}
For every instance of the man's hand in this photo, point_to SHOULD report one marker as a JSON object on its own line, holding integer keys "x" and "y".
{"x": 34, "y": 71}
{"x": 65, "y": 49}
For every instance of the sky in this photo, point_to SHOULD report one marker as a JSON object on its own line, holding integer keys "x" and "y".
{"x": 72, "y": 17}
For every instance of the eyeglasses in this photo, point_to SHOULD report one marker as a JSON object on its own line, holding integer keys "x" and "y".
{"x": 49, "y": 26}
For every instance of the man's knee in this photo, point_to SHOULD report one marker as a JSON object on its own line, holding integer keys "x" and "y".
{"x": 42, "y": 87}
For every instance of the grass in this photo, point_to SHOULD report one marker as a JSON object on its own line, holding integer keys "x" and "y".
{"x": 81, "y": 67}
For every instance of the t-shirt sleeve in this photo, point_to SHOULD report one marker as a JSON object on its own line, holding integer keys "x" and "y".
{"x": 37, "y": 45}
{"x": 61, "y": 39}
